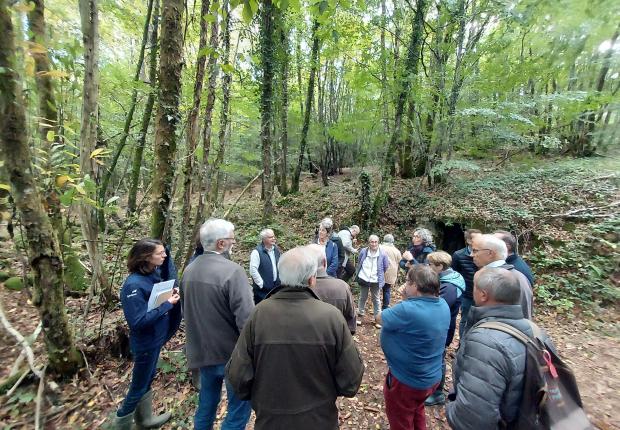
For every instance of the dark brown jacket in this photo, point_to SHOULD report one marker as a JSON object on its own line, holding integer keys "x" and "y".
{"x": 294, "y": 357}
{"x": 336, "y": 292}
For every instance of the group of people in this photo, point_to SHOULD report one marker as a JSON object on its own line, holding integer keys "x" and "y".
{"x": 284, "y": 347}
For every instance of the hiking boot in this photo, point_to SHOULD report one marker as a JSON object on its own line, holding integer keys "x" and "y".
{"x": 122, "y": 423}
{"x": 435, "y": 399}
{"x": 144, "y": 414}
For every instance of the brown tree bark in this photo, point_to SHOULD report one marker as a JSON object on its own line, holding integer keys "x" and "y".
{"x": 170, "y": 67}
{"x": 44, "y": 256}
{"x": 192, "y": 131}
{"x": 88, "y": 143}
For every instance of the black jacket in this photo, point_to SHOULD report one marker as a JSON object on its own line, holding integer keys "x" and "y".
{"x": 521, "y": 266}
{"x": 463, "y": 262}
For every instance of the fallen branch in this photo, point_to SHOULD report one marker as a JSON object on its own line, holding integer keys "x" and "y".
{"x": 18, "y": 363}
{"x": 39, "y": 401}
{"x": 19, "y": 381}
{"x": 25, "y": 345}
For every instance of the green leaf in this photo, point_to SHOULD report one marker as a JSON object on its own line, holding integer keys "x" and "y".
{"x": 67, "y": 197}
{"x": 210, "y": 18}
{"x": 227, "y": 68}
{"x": 247, "y": 12}
{"x": 80, "y": 189}
{"x": 112, "y": 200}
{"x": 50, "y": 136}
{"x": 6, "y": 187}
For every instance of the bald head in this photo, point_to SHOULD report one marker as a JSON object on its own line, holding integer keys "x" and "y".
{"x": 487, "y": 248}
{"x": 494, "y": 286}
{"x": 297, "y": 267}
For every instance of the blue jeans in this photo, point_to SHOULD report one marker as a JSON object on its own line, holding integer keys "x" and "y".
{"x": 466, "y": 303}
{"x": 386, "y": 296}
{"x": 238, "y": 413}
{"x": 144, "y": 368}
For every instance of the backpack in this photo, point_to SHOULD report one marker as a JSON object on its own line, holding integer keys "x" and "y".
{"x": 551, "y": 398}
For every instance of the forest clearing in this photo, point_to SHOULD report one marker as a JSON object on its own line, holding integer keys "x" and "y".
{"x": 123, "y": 121}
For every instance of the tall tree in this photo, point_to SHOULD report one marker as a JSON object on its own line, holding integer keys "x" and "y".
{"x": 409, "y": 73}
{"x": 136, "y": 163}
{"x": 193, "y": 129}
{"x": 43, "y": 249}
{"x": 223, "y": 134}
{"x": 314, "y": 63}
{"x": 207, "y": 118}
{"x": 49, "y": 134}
{"x": 107, "y": 176}
{"x": 267, "y": 53}
{"x": 170, "y": 67}
{"x": 283, "y": 61}
{"x": 89, "y": 15}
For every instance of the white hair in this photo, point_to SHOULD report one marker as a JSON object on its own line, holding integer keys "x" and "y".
{"x": 373, "y": 236}
{"x": 213, "y": 230}
{"x": 388, "y": 238}
{"x": 319, "y": 252}
{"x": 327, "y": 224}
{"x": 495, "y": 244}
{"x": 296, "y": 266}
{"x": 356, "y": 228}
{"x": 265, "y": 232}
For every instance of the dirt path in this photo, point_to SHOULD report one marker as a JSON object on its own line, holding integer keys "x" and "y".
{"x": 591, "y": 349}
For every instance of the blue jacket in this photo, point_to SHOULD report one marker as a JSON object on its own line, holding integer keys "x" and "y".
{"x": 382, "y": 264}
{"x": 331, "y": 255}
{"x": 451, "y": 286}
{"x": 420, "y": 259}
{"x": 521, "y": 266}
{"x": 463, "y": 262}
{"x": 147, "y": 330}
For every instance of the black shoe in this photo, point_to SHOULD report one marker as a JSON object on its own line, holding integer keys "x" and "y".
{"x": 435, "y": 399}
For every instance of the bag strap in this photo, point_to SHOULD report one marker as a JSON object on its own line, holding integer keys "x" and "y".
{"x": 507, "y": 328}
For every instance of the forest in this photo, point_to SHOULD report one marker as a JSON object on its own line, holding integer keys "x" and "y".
{"x": 121, "y": 120}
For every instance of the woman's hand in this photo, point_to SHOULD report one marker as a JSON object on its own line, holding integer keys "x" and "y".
{"x": 175, "y": 297}
{"x": 407, "y": 256}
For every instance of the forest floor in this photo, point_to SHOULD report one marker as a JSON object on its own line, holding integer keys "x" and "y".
{"x": 588, "y": 339}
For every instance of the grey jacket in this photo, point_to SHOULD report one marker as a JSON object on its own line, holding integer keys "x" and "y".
{"x": 488, "y": 371}
{"x": 217, "y": 301}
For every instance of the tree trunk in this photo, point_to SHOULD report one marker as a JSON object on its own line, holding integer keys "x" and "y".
{"x": 284, "y": 59}
{"x": 74, "y": 272}
{"x": 409, "y": 73}
{"x": 222, "y": 136}
{"x": 88, "y": 138}
{"x": 206, "y": 139}
{"x": 129, "y": 117}
{"x": 266, "y": 102}
{"x": 309, "y": 98}
{"x": 44, "y": 256}
{"x": 192, "y": 131}
{"x": 170, "y": 67}
{"x": 146, "y": 116}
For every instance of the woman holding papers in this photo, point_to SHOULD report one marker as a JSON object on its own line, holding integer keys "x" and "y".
{"x": 149, "y": 329}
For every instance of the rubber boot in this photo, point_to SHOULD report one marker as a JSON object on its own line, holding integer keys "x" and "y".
{"x": 144, "y": 414}
{"x": 123, "y": 423}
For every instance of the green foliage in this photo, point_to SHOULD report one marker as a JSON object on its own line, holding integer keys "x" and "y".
{"x": 364, "y": 197}
{"x": 175, "y": 363}
{"x": 15, "y": 283}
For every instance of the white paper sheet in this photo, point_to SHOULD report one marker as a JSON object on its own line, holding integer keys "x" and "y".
{"x": 160, "y": 287}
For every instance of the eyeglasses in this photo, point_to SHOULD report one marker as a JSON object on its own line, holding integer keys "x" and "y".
{"x": 162, "y": 253}
{"x": 228, "y": 238}
{"x": 475, "y": 251}
{"x": 416, "y": 235}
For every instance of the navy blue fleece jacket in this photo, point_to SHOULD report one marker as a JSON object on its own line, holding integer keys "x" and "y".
{"x": 147, "y": 330}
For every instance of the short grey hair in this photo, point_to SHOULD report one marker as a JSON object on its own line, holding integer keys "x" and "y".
{"x": 356, "y": 228}
{"x": 494, "y": 244}
{"x": 214, "y": 229}
{"x": 319, "y": 252}
{"x": 373, "y": 236}
{"x": 296, "y": 266}
{"x": 509, "y": 239}
{"x": 327, "y": 224}
{"x": 425, "y": 234}
{"x": 501, "y": 285}
{"x": 264, "y": 233}
{"x": 388, "y": 238}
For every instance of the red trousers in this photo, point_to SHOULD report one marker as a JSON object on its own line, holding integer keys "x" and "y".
{"x": 404, "y": 406}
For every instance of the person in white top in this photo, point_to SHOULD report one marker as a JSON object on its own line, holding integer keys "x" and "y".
{"x": 264, "y": 265}
{"x": 371, "y": 269}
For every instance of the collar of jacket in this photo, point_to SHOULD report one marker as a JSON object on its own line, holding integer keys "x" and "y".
{"x": 285, "y": 292}
{"x": 511, "y": 312}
